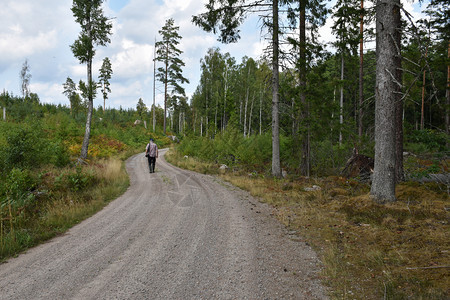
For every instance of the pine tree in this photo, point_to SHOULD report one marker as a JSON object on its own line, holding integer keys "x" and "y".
{"x": 104, "y": 77}
{"x": 70, "y": 90}
{"x": 388, "y": 87}
{"x": 95, "y": 31}
{"x": 171, "y": 73}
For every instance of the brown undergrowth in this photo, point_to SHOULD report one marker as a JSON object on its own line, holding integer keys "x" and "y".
{"x": 369, "y": 251}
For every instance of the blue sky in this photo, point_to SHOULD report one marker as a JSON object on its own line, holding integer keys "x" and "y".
{"x": 42, "y": 31}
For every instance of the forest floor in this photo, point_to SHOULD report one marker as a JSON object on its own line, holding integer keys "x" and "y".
{"x": 398, "y": 250}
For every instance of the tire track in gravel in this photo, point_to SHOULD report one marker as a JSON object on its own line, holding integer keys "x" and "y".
{"x": 174, "y": 234}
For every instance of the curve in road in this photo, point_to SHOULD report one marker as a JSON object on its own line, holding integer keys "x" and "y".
{"x": 174, "y": 234}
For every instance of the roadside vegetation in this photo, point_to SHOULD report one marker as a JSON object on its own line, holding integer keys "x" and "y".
{"x": 398, "y": 250}
{"x": 43, "y": 189}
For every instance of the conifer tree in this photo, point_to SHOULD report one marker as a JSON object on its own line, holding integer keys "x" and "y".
{"x": 104, "y": 77}
{"x": 388, "y": 88}
{"x": 70, "y": 90}
{"x": 171, "y": 73}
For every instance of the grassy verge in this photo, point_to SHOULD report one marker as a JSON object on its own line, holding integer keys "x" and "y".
{"x": 62, "y": 197}
{"x": 369, "y": 251}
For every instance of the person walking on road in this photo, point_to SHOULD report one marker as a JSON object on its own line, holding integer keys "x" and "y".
{"x": 151, "y": 152}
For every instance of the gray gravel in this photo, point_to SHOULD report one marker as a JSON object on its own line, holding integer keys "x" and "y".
{"x": 174, "y": 234}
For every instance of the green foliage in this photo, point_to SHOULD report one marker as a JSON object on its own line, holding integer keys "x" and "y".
{"x": 17, "y": 190}
{"x": 427, "y": 140}
{"x": 23, "y": 148}
{"x": 230, "y": 148}
{"x": 79, "y": 180}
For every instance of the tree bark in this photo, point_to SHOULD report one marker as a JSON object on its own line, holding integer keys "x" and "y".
{"x": 249, "y": 132}
{"x": 341, "y": 99}
{"x": 245, "y": 112}
{"x": 361, "y": 74}
{"x": 447, "y": 117}
{"x": 154, "y": 89}
{"x": 305, "y": 160}
{"x": 399, "y": 172}
{"x": 387, "y": 89}
{"x": 276, "y": 165}
{"x": 165, "y": 86}
{"x": 225, "y": 99}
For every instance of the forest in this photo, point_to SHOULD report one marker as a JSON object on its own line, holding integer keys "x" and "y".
{"x": 297, "y": 117}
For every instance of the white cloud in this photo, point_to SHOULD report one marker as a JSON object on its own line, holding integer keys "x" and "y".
{"x": 134, "y": 60}
{"x": 42, "y": 31}
{"x": 49, "y": 92}
{"x": 16, "y": 45}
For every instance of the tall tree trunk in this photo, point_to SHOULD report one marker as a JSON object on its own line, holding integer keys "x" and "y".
{"x": 154, "y": 88}
{"x": 361, "y": 73}
{"x": 240, "y": 111}
{"x": 249, "y": 132}
{"x": 276, "y": 164}
{"x": 388, "y": 26}
{"x": 447, "y": 92}
{"x": 260, "y": 111}
{"x": 215, "y": 115}
{"x": 422, "y": 112}
{"x": 399, "y": 172}
{"x": 165, "y": 85}
{"x": 245, "y": 112}
{"x": 225, "y": 99}
{"x": 194, "y": 117}
{"x": 305, "y": 160}
{"x": 341, "y": 99}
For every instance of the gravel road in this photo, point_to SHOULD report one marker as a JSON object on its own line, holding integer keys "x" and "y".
{"x": 174, "y": 234}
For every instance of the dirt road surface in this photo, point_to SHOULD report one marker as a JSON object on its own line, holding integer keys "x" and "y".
{"x": 174, "y": 234}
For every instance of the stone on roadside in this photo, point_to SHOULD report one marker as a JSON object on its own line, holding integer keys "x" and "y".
{"x": 313, "y": 188}
{"x": 223, "y": 168}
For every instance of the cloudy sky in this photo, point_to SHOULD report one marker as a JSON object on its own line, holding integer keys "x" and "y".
{"x": 42, "y": 31}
